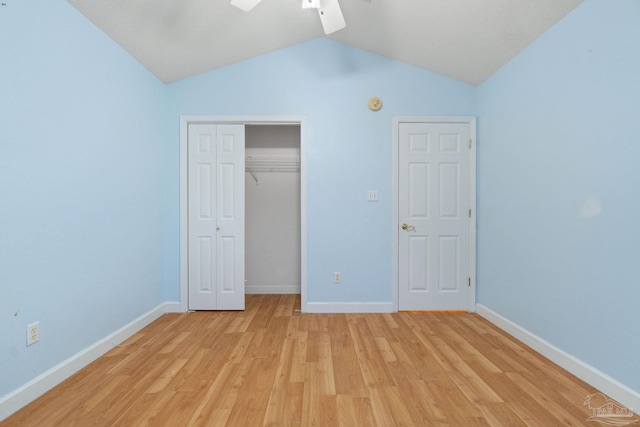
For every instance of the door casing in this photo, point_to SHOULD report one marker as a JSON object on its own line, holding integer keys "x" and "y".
{"x": 185, "y": 121}
{"x": 471, "y": 121}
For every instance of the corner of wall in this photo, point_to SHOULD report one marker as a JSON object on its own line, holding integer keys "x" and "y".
{"x": 44, "y": 382}
{"x": 587, "y": 373}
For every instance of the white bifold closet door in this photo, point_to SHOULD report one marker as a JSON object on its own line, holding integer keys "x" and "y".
{"x": 216, "y": 216}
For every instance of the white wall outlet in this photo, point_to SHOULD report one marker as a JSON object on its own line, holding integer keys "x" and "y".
{"x": 33, "y": 333}
{"x": 372, "y": 196}
{"x": 336, "y": 277}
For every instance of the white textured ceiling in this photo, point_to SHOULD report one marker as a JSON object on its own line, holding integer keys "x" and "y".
{"x": 467, "y": 40}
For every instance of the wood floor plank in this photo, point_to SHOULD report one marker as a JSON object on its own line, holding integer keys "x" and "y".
{"x": 381, "y": 411}
{"x": 300, "y": 357}
{"x": 216, "y": 396}
{"x": 326, "y": 372}
{"x": 143, "y": 410}
{"x": 561, "y": 413}
{"x": 354, "y": 411}
{"x": 273, "y": 366}
{"x": 422, "y": 403}
{"x": 500, "y": 414}
{"x": 310, "y": 396}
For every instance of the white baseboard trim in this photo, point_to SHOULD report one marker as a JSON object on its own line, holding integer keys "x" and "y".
{"x": 349, "y": 307}
{"x": 271, "y": 289}
{"x": 587, "y": 373}
{"x": 44, "y": 382}
{"x": 173, "y": 307}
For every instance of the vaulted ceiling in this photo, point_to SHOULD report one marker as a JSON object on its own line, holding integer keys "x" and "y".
{"x": 467, "y": 40}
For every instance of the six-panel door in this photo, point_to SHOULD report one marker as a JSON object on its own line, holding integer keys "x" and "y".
{"x": 433, "y": 211}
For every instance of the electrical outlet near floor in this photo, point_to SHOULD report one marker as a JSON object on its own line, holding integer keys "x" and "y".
{"x": 336, "y": 277}
{"x": 33, "y": 333}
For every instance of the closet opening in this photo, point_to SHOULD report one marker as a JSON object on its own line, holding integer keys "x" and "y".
{"x": 272, "y": 209}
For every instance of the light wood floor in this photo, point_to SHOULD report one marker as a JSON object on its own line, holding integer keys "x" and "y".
{"x": 272, "y": 366}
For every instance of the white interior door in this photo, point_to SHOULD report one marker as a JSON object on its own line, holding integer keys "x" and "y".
{"x": 434, "y": 216}
{"x": 216, "y": 217}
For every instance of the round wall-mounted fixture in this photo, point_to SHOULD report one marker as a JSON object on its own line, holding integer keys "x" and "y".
{"x": 375, "y": 103}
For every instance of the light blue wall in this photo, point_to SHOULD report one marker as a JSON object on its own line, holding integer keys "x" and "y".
{"x": 559, "y": 179}
{"x": 349, "y": 148}
{"x": 89, "y": 179}
{"x": 82, "y": 202}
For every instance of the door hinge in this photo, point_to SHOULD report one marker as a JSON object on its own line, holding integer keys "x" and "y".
{"x": 469, "y": 281}
{"x": 469, "y": 143}
{"x": 469, "y": 213}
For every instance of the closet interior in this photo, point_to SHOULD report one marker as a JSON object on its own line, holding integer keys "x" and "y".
{"x": 272, "y": 209}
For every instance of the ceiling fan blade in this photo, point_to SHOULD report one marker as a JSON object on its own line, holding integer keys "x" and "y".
{"x": 245, "y": 5}
{"x": 331, "y": 16}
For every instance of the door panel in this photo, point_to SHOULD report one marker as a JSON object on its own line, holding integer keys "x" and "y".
{"x": 449, "y": 258}
{"x": 227, "y": 272}
{"x": 449, "y": 190}
{"x": 231, "y": 217}
{"x": 202, "y": 221}
{"x": 204, "y": 268}
{"x": 418, "y": 200}
{"x": 418, "y": 269}
{"x": 433, "y": 197}
{"x": 216, "y": 216}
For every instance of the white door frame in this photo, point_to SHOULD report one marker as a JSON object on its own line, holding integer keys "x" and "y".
{"x": 184, "y": 219}
{"x": 471, "y": 121}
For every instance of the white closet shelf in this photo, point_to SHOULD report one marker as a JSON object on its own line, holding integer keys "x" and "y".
{"x": 272, "y": 163}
